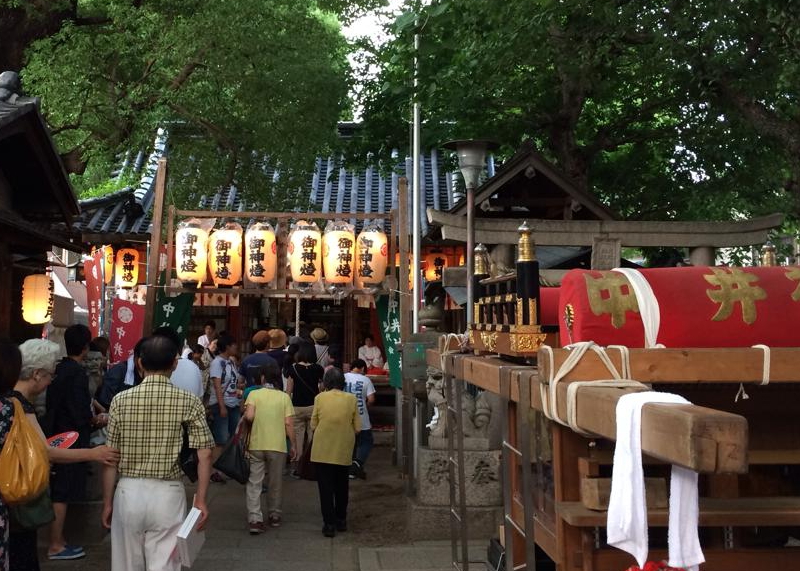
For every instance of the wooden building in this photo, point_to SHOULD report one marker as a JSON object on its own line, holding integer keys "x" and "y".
{"x": 37, "y": 203}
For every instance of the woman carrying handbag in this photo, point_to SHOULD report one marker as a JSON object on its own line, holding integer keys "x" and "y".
{"x": 303, "y": 384}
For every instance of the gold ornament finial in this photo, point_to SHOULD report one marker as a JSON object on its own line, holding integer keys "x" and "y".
{"x": 768, "y": 257}
{"x": 481, "y": 260}
{"x": 527, "y": 247}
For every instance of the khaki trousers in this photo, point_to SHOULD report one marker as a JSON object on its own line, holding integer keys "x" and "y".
{"x": 273, "y": 463}
{"x": 302, "y": 426}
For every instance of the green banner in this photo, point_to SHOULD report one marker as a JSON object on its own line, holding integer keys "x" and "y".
{"x": 174, "y": 311}
{"x": 389, "y": 318}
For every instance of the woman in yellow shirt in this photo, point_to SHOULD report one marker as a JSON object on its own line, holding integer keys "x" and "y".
{"x": 335, "y": 423}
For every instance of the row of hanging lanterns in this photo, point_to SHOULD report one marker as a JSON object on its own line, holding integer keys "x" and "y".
{"x": 227, "y": 255}
{"x": 123, "y": 267}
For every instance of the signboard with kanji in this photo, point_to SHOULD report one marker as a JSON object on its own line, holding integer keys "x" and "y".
{"x": 389, "y": 316}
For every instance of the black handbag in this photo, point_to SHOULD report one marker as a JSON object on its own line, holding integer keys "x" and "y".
{"x": 305, "y": 467}
{"x": 188, "y": 458}
{"x": 233, "y": 461}
{"x": 33, "y": 514}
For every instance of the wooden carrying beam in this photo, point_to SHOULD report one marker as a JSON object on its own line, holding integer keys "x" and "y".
{"x": 729, "y": 365}
{"x": 699, "y": 438}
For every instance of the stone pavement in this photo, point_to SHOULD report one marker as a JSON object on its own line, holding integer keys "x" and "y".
{"x": 376, "y": 540}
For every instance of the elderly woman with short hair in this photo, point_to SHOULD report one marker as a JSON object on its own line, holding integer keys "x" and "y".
{"x": 39, "y": 358}
{"x": 335, "y": 422}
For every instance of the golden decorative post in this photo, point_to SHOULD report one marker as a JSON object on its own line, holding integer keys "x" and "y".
{"x": 527, "y": 278}
{"x": 481, "y": 261}
{"x": 768, "y": 257}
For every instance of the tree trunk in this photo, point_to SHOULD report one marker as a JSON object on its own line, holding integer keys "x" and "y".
{"x": 20, "y": 27}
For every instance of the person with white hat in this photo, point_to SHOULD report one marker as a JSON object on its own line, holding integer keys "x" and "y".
{"x": 320, "y": 338}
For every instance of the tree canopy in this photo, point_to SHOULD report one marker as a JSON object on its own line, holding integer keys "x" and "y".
{"x": 233, "y": 81}
{"x": 664, "y": 108}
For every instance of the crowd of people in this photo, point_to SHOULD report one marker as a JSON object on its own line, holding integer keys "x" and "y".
{"x": 136, "y": 419}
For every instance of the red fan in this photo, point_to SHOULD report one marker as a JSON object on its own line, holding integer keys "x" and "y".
{"x": 63, "y": 440}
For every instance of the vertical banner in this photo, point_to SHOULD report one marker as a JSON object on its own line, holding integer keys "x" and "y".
{"x": 389, "y": 318}
{"x": 94, "y": 290}
{"x": 173, "y": 311}
{"x": 127, "y": 320}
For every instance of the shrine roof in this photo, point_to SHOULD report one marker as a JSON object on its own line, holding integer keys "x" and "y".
{"x": 127, "y": 213}
{"x": 333, "y": 186}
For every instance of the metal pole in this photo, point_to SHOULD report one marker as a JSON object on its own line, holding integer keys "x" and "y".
{"x": 470, "y": 253}
{"x": 416, "y": 190}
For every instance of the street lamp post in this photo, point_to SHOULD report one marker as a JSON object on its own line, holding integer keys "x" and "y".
{"x": 471, "y": 160}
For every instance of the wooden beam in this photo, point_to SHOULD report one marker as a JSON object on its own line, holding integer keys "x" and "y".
{"x": 703, "y": 439}
{"x": 699, "y": 438}
{"x": 714, "y": 512}
{"x": 403, "y": 226}
{"x": 155, "y": 246}
{"x": 283, "y": 215}
{"x": 630, "y": 233}
{"x": 727, "y": 365}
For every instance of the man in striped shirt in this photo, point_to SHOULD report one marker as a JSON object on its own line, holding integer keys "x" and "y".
{"x": 146, "y": 425}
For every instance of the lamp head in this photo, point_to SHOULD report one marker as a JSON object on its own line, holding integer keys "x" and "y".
{"x": 471, "y": 158}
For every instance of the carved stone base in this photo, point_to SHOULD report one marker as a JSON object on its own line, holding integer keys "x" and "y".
{"x": 440, "y": 443}
{"x": 433, "y": 522}
{"x": 483, "y": 480}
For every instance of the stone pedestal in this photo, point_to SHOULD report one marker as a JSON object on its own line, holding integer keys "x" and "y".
{"x": 482, "y": 471}
{"x": 440, "y": 443}
{"x": 433, "y": 522}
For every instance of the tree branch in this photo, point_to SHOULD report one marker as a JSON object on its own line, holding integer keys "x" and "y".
{"x": 188, "y": 70}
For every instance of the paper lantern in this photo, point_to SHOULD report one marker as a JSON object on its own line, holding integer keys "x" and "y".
{"x": 127, "y": 267}
{"x": 191, "y": 256}
{"x": 37, "y": 299}
{"x": 225, "y": 255}
{"x": 338, "y": 253}
{"x": 108, "y": 264}
{"x": 261, "y": 253}
{"x": 372, "y": 256}
{"x": 435, "y": 263}
{"x": 305, "y": 243}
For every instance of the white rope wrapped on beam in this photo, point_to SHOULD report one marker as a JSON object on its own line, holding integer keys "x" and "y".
{"x": 549, "y": 390}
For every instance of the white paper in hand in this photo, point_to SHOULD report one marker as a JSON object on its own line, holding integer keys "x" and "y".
{"x": 189, "y": 539}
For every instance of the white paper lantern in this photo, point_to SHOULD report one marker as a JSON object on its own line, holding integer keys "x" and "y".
{"x": 225, "y": 255}
{"x": 338, "y": 253}
{"x": 191, "y": 256}
{"x": 305, "y": 243}
{"x": 37, "y": 298}
{"x": 372, "y": 256}
{"x": 261, "y": 253}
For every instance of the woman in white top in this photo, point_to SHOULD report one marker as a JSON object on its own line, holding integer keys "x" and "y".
{"x": 370, "y": 353}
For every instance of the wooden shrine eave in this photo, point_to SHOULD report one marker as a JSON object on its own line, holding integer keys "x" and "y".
{"x": 717, "y": 234}
{"x": 16, "y": 230}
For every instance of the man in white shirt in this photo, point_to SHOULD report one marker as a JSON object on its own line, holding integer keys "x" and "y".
{"x": 370, "y": 354}
{"x": 186, "y": 375}
{"x": 358, "y": 384}
{"x": 209, "y": 334}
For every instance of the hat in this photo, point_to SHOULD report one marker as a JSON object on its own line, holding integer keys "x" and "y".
{"x": 277, "y": 338}
{"x": 260, "y": 340}
{"x": 319, "y": 335}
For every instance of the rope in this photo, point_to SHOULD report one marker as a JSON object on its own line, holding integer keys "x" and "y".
{"x": 765, "y": 373}
{"x": 549, "y": 393}
{"x": 444, "y": 343}
{"x": 649, "y": 309}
